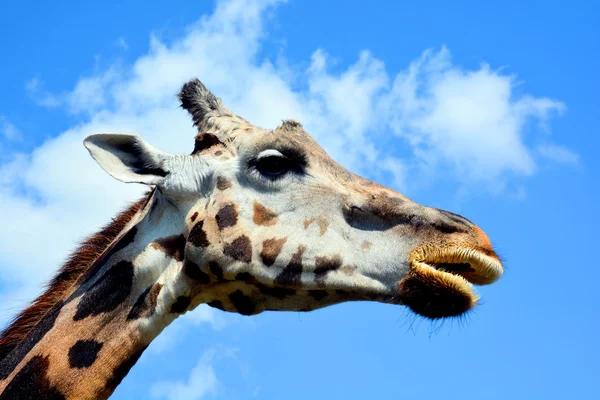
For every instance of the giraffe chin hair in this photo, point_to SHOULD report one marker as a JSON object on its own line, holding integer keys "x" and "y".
{"x": 440, "y": 281}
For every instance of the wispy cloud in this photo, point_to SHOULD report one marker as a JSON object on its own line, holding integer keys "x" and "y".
{"x": 463, "y": 125}
{"x": 122, "y": 43}
{"x": 8, "y": 130}
{"x": 202, "y": 381}
{"x": 558, "y": 154}
{"x": 34, "y": 88}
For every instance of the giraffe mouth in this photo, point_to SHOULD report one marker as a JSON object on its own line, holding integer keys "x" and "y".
{"x": 440, "y": 281}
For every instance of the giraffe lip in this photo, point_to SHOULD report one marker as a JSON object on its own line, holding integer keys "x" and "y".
{"x": 477, "y": 266}
{"x": 440, "y": 280}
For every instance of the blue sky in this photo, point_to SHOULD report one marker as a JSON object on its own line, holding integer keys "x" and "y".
{"x": 488, "y": 110}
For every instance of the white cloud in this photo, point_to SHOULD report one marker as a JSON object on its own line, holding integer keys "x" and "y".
{"x": 470, "y": 121}
{"x": 201, "y": 382}
{"x": 41, "y": 97}
{"x": 8, "y": 130}
{"x": 466, "y": 122}
{"x": 558, "y": 154}
{"x": 122, "y": 43}
{"x": 342, "y": 108}
{"x": 89, "y": 94}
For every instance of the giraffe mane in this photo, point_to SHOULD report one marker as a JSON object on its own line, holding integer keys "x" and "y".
{"x": 60, "y": 286}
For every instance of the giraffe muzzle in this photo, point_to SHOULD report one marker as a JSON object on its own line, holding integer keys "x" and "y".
{"x": 440, "y": 280}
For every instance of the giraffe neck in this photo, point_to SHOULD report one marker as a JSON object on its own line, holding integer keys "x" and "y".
{"x": 88, "y": 341}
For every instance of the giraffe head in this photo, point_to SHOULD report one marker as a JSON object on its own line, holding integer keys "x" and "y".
{"x": 268, "y": 221}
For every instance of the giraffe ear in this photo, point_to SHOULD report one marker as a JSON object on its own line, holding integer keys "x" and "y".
{"x": 128, "y": 158}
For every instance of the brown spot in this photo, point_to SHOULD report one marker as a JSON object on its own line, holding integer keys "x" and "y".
{"x": 37, "y": 333}
{"x": 122, "y": 243}
{"x": 193, "y": 271}
{"x": 84, "y": 353}
{"x": 216, "y": 270}
{"x": 323, "y": 224}
{"x": 318, "y": 294}
{"x": 277, "y": 292}
{"x": 126, "y": 240}
{"x": 366, "y": 245}
{"x": 223, "y": 183}
{"x": 271, "y": 249}
{"x": 242, "y": 303}
{"x": 194, "y": 216}
{"x": 293, "y": 271}
{"x": 218, "y": 153}
{"x": 32, "y": 382}
{"x": 197, "y": 235}
{"x": 145, "y": 304}
{"x": 244, "y": 276}
{"x": 172, "y": 246}
{"x": 205, "y": 141}
{"x": 227, "y": 216}
{"x": 325, "y": 264}
{"x": 348, "y": 270}
{"x": 216, "y": 304}
{"x": 107, "y": 293}
{"x": 240, "y": 249}
{"x": 263, "y": 216}
{"x": 181, "y": 304}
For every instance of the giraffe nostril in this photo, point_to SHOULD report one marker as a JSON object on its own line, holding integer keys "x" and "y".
{"x": 380, "y": 217}
{"x": 459, "y": 219}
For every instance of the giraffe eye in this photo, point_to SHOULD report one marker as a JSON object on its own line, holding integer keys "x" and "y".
{"x": 275, "y": 164}
{"x": 273, "y": 167}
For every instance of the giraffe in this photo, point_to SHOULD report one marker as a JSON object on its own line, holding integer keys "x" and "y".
{"x": 251, "y": 220}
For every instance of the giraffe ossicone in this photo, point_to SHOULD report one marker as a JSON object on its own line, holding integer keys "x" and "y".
{"x": 251, "y": 220}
